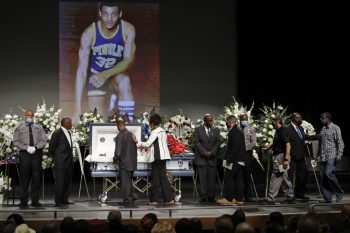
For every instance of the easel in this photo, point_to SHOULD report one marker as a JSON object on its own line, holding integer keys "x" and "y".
{"x": 82, "y": 176}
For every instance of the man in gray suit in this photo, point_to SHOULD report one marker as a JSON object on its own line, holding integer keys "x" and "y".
{"x": 207, "y": 142}
{"x": 125, "y": 156}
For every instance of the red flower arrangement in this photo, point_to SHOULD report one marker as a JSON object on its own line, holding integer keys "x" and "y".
{"x": 175, "y": 146}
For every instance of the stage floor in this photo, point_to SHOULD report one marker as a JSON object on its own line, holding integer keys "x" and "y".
{"x": 188, "y": 206}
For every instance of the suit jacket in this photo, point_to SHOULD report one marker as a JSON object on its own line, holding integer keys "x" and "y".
{"x": 61, "y": 150}
{"x": 297, "y": 144}
{"x": 125, "y": 153}
{"x": 236, "y": 150}
{"x": 204, "y": 143}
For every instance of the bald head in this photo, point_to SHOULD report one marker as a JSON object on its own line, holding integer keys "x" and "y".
{"x": 297, "y": 119}
{"x": 66, "y": 122}
{"x": 244, "y": 227}
{"x": 243, "y": 117}
{"x": 120, "y": 123}
{"x": 223, "y": 224}
{"x": 308, "y": 223}
{"x": 346, "y": 211}
{"x": 29, "y": 112}
{"x": 208, "y": 120}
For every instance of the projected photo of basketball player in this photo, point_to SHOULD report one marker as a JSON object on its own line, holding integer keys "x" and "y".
{"x": 106, "y": 67}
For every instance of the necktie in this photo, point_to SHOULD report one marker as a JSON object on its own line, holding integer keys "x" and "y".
{"x": 208, "y": 132}
{"x": 70, "y": 137}
{"x": 31, "y": 139}
{"x": 299, "y": 132}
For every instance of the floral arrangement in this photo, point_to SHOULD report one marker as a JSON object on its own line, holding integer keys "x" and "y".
{"x": 181, "y": 128}
{"x": 144, "y": 121}
{"x": 175, "y": 146}
{"x": 81, "y": 130}
{"x": 309, "y": 129}
{"x": 5, "y": 183}
{"x": 265, "y": 133}
{"x": 7, "y": 127}
{"x": 113, "y": 117}
{"x": 265, "y": 130}
{"x": 49, "y": 118}
{"x": 236, "y": 109}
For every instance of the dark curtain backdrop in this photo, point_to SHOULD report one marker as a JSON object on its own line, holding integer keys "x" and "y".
{"x": 293, "y": 52}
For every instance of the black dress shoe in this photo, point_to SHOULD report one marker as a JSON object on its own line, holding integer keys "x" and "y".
{"x": 339, "y": 198}
{"x": 68, "y": 203}
{"x": 268, "y": 202}
{"x": 128, "y": 204}
{"x": 325, "y": 201}
{"x": 303, "y": 197}
{"x": 23, "y": 205}
{"x": 36, "y": 204}
{"x": 211, "y": 200}
{"x": 203, "y": 200}
{"x": 59, "y": 205}
{"x": 289, "y": 201}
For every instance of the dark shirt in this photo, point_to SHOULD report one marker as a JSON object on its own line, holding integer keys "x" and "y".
{"x": 156, "y": 150}
{"x": 280, "y": 140}
{"x": 125, "y": 154}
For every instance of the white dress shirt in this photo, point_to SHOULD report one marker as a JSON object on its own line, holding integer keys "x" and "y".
{"x": 67, "y": 135}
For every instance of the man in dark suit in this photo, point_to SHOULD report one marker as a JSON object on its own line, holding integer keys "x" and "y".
{"x": 234, "y": 159}
{"x": 207, "y": 142}
{"x": 297, "y": 164}
{"x": 61, "y": 147}
{"x": 125, "y": 157}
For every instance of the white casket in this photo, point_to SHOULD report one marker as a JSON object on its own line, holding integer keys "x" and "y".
{"x": 102, "y": 145}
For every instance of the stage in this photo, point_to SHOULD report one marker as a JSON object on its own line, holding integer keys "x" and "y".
{"x": 90, "y": 208}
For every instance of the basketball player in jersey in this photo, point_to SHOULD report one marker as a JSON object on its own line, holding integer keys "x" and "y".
{"x": 107, "y": 52}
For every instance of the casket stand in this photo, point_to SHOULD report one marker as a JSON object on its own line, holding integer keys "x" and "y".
{"x": 102, "y": 145}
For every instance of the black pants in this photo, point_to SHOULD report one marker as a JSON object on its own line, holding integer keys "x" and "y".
{"x": 127, "y": 186}
{"x": 160, "y": 182}
{"x": 30, "y": 169}
{"x": 299, "y": 168}
{"x": 63, "y": 184}
{"x": 207, "y": 180}
{"x": 233, "y": 186}
{"x": 247, "y": 174}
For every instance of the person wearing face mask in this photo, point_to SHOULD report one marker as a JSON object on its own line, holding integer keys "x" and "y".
{"x": 298, "y": 167}
{"x": 250, "y": 143}
{"x": 330, "y": 151}
{"x": 30, "y": 139}
{"x": 207, "y": 142}
{"x": 61, "y": 147}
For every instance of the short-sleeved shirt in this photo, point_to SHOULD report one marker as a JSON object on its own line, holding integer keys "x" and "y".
{"x": 280, "y": 140}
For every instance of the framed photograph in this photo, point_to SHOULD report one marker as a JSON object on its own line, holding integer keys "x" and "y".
{"x": 102, "y": 140}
